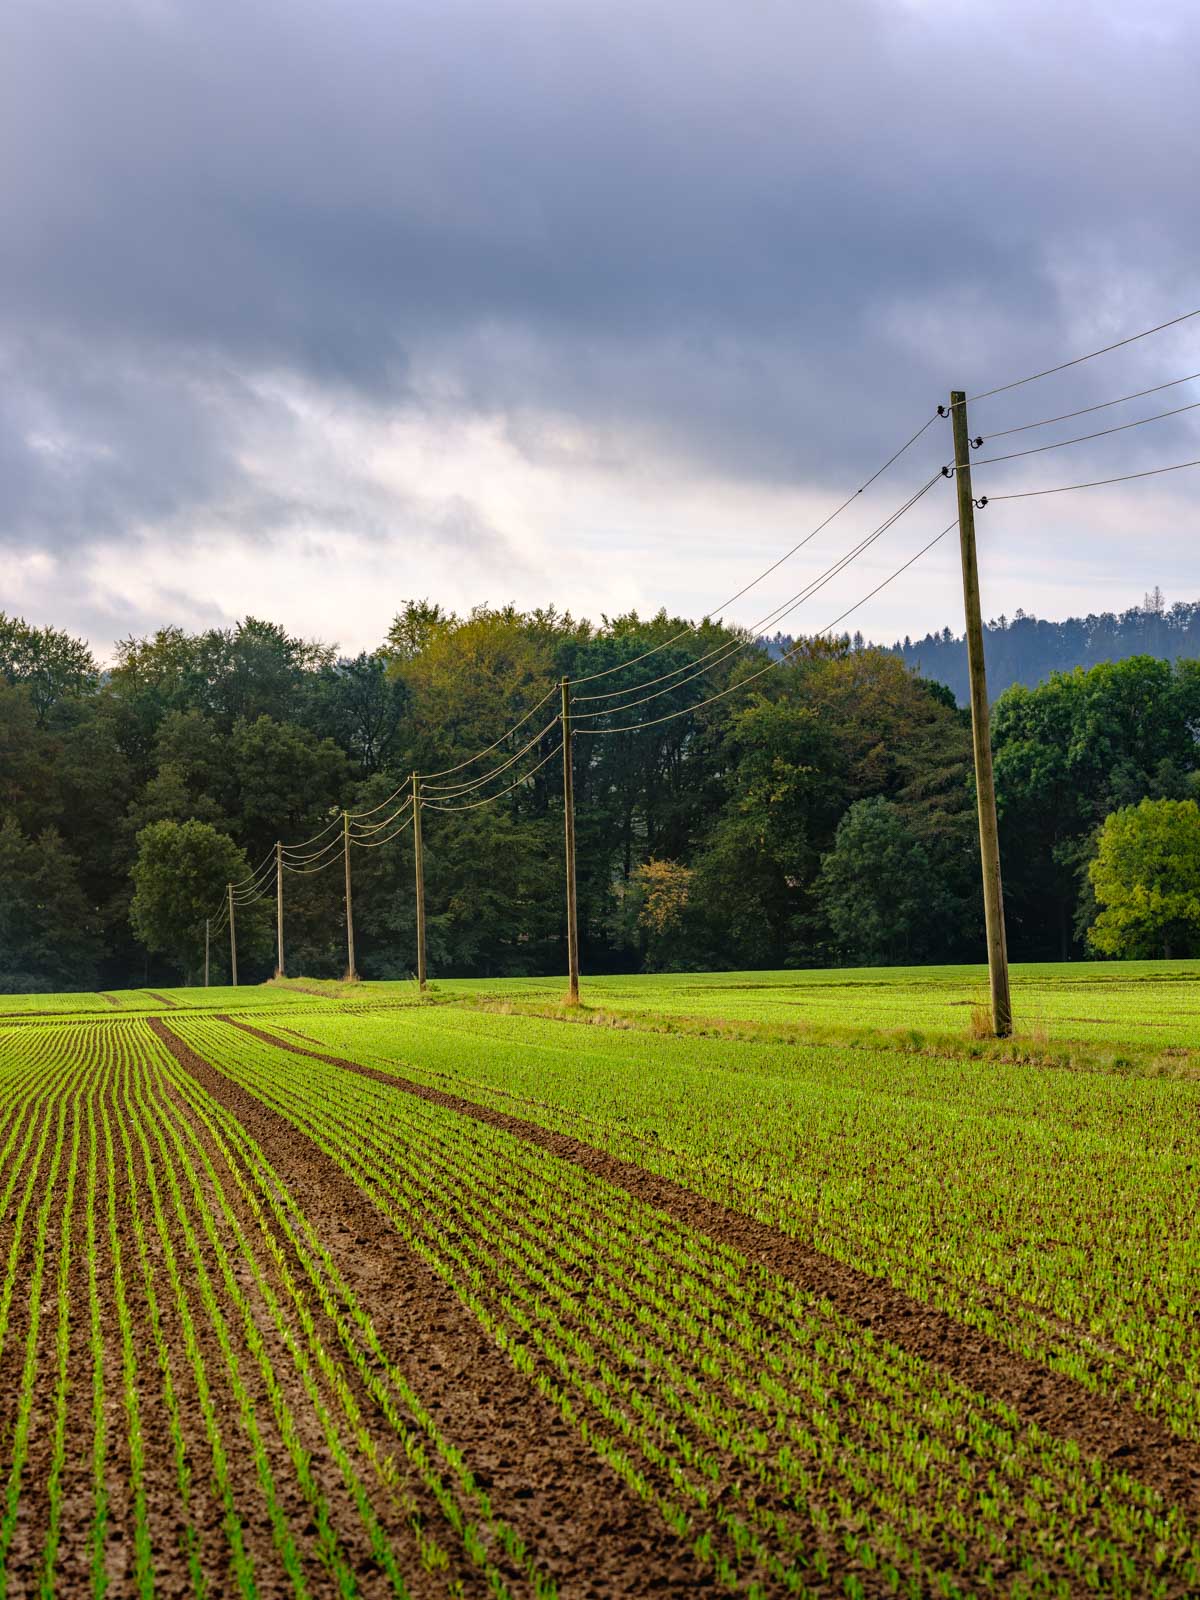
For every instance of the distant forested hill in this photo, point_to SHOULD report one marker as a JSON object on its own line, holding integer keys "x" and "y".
{"x": 1026, "y": 649}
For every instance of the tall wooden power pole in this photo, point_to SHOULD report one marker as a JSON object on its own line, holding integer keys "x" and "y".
{"x": 985, "y": 788}
{"x": 351, "y": 974}
{"x": 278, "y": 909}
{"x": 569, "y": 824}
{"x": 232, "y": 939}
{"x": 207, "y": 922}
{"x": 419, "y": 880}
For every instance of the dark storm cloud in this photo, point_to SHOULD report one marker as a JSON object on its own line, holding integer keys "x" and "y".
{"x": 759, "y": 237}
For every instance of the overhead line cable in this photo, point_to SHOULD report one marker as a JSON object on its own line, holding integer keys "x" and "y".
{"x": 487, "y": 800}
{"x": 374, "y": 844}
{"x": 766, "y": 573}
{"x": 250, "y": 888}
{"x": 289, "y": 855}
{"x": 1082, "y": 438}
{"x": 263, "y": 875}
{"x": 471, "y": 760}
{"x": 360, "y": 830}
{"x": 1066, "y": 416}
{"x": 1094, "y": 483}
{"x": 304, "y": 872}
{"x": 1003, "y": 388}
{"x": 302, "y": 844}
{"x": 448, "y": 791}
{"x": 693, "y": 628}
{"x": 774, "y": 616}
{"x": 246, "y": 898}
{"x": 779, "y": 661}
{"x": 256, "y": 871}
{"x": 871, "y": 593}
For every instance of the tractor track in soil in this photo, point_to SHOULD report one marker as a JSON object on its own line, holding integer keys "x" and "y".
{"x": 1102, "y": 1426}
{"x": 587, "y": 1533}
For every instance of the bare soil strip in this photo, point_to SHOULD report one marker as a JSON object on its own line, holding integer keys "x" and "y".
{"x": 1101, "y": 1425}
{"x": 542, "y": 1479}
{"x": 163, "y": 1000}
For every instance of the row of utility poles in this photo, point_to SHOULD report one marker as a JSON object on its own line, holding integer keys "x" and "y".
{"x": 419, "y": 875}
{"x": 989, "y": 843}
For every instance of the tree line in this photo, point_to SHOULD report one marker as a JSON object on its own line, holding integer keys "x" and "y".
{"x": 822, "y": 814}
{"x": 1027, "y": 649}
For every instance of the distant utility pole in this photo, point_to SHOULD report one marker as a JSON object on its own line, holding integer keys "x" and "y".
{"x": 350, "y": 971}
{"x": 278, "y": 909}
{"x": 232, "y": 939}
{"x": 569, "y": 824}
{"x": 207, "y": 921}
{"x": 419, "y": 879}
{"x": 985, "y": 788}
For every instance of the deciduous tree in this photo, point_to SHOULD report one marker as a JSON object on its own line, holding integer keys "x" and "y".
{"x": 1146, "y": 879}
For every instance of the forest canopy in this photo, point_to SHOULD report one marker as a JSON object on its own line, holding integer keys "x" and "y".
{"x": 821, "y": 812}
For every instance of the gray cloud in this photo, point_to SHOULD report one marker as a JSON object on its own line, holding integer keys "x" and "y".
{"x": 761, "y": 240}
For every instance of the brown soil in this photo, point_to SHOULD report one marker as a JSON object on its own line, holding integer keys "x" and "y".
{"x": 163, "y": 1000}
{"x": 542, "y": 1479}
{"x": 1103, "y": 1426}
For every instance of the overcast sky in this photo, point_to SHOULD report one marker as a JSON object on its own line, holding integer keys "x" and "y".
{"x": 306, "y": 308}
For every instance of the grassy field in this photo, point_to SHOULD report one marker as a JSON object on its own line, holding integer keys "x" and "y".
{"x": 771, "y": 1284}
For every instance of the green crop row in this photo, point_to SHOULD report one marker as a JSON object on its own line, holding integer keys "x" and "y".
{"x": 1053, "y": 1210}
{"x": 120, "y": 1177}
{"x": 787, "y": 1444}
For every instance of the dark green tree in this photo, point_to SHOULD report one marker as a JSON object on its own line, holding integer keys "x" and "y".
{"x": 49, "y": 933}
{"x": 50, "y": 664}
{"x": 876, "y": 892}
{"x": 179, "y": 878}
{"x": 1066, "y": 754}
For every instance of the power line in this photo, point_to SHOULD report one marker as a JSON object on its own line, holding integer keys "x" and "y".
{"x": 772, "y": 618}
{"x": 766, "y": 573}
{"x": 449, "y": 790}
{"x": 239, "y": 884}
{"x": 1003, "y": 388}
{"x": 374, "y": 844}
{"x": 683, "y": 633}
{"x": 360, "y": 830}
{"x": 252, "y": 900}
{"x": 470, "y": 761}
{"x": 1082, "y": 438}
{"x": 488, "y": 799}
{"x": 303, "y": 872}
{"x": 1066, "y": 416}
{"x": 303, "y": 844}
{"x": 1095, "y": 483}
{"x": 779, "y": 661}
{"x": 289, "y": 854}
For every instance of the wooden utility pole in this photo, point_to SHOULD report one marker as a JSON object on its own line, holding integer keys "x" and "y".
{"x": 419, "y": 875}
{"x": 232, "y": 939}
{"x": 351, "y": 974}
{"x": 985, "y": 789}
{"x": 207, "y": 921}
{"x": 569, "y": 825}
{"x": 278, "y": 909}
